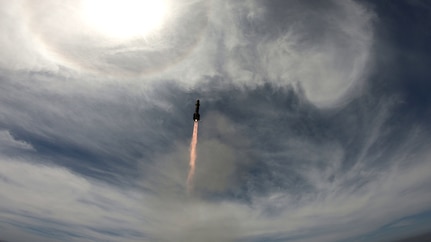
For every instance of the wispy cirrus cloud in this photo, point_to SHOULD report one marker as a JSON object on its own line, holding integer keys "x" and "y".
{"x": 76, "y": 208}
{"x": 294, "y": 144}
{"x": 324, "y": 49}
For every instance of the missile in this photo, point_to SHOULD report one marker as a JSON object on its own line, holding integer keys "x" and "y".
{"x": 196, "y": 115}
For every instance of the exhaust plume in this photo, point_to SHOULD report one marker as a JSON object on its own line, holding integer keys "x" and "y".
{"x": 192, "y": 162}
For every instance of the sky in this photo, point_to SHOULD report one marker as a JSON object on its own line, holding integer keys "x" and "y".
{"x": 315, "y": 120}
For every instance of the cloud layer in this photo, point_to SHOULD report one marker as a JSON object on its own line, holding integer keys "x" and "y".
{"x": 54, "y": 202}
{"x": 297, "y": 140}
{"x": 324, "y": 49}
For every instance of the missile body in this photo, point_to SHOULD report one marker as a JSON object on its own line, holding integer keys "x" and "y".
{"x": 196, "y": 116}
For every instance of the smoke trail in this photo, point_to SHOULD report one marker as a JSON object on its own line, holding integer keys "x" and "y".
{"x": 192, "y": 163}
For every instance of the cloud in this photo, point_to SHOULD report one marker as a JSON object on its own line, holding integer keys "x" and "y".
{"x": 322, "y": 49}
{"x": 248, "y": 185}
{"x": 266, "y": 171}
{"x": 337, "y": 196}
{"x": 55, "y": 203}
{"x": 7, "y": 142}
{"x": 94, "y": 133}
{"x": 75, "y": 208}
{"x": 20, "y": 50}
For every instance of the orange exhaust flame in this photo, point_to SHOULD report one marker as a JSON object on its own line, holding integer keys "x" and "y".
{"x": 192, "y": 163}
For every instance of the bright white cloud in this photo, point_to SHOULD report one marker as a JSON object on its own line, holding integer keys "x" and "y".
{"x": 325, "y": 50}
{"x": 125, "y": 19}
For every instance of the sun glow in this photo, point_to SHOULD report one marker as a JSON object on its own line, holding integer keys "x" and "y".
{"x": 125, "y": 18}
